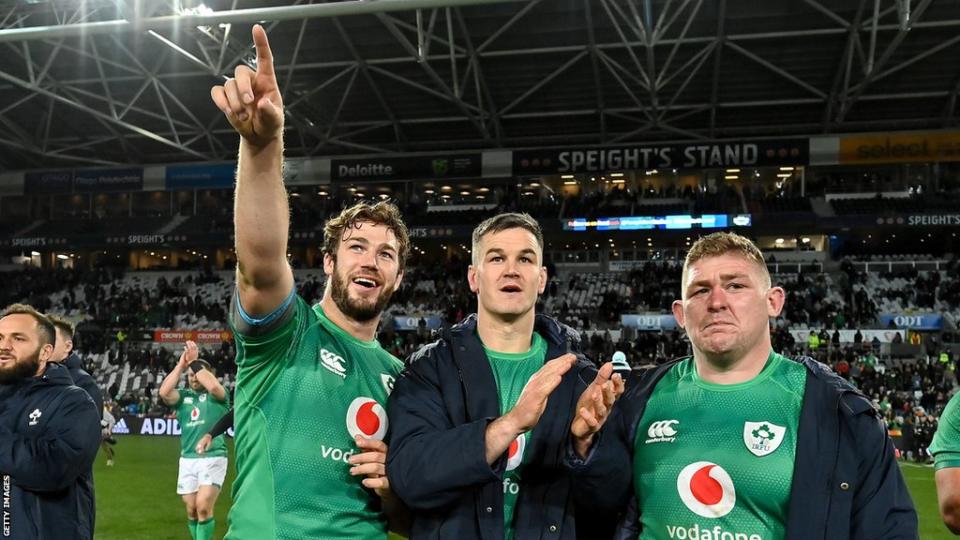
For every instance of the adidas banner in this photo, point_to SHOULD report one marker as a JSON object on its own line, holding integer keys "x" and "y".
{"x": 150, "y": 426}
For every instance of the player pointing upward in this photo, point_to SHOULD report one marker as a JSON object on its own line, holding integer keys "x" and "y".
{"x": 312, "y": 381}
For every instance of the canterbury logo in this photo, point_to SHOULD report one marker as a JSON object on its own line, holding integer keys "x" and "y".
{"x": 333, "y": 362}
{"x": 662, "y": 431}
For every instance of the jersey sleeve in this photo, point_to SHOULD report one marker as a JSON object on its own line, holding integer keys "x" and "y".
{"x": 266, "y": 348}
{"x": 260, "y": 340}
{"x": 946, "y": 442}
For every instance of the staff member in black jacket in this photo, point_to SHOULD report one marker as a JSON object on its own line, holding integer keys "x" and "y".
{"x": 64, "y": 355}
{"x": 477, "y": 447}
{"x": 48, "y": 434}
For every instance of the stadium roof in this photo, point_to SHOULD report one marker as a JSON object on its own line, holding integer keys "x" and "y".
{"x": 80, "y": 90}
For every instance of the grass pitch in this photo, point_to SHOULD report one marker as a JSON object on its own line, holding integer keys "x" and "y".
{"x": 137, "y": 499}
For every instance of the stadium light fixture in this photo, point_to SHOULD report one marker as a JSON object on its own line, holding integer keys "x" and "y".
{"x": 732, "y": 171}
{"x": 566, "y": 176}
{"x": 784, "y": 175}
{"x": 62, "y": 257}
{"x": 779, "y": 241}
{"x": 465, "y": 193}
{"x": 621, "y": 181}
{"x": 534, "y": 184}
{"x": 429, "y": 192}
{"x": 35, "y": 253}
{"x": 731, "y": 177}
{"x": 786, "y": 168}
{"x": 616, "y": 175}
{"x": 570, "y": 183}
{"x": 805, "y": 240}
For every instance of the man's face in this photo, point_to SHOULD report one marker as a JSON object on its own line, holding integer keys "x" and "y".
{"x": 193, "y": 382}
{"x": 61, "y": 350}
{"x": 366, "y": 271}
{"x": 726, "y": 306}
{"x": 509, "y": 273}
{"x": 21, "y": 354}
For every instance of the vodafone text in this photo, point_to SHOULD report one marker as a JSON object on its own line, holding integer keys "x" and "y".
{"x": 694, "y": 532}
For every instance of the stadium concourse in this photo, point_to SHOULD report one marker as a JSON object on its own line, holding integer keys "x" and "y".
{"x": 826, "y": 131}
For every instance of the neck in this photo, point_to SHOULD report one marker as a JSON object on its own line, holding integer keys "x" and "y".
{"x": 721, "y": 370}
{"x": 364, "y": 331}
{"x": 505, "y": 335}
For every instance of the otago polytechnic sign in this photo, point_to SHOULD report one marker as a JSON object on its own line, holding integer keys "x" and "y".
{"x": 684, "y": 156}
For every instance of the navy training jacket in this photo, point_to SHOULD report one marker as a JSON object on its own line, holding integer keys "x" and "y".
{"x": 49, "y": 436}
{"x": 436, "y": 463}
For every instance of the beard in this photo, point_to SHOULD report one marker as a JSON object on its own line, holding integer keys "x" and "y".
{"x": 357, "y": 309}
{"x": 21, "y": 369}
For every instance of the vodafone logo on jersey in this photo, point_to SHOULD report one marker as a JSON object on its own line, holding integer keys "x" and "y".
{"x": 194, "y": 413}
{"x": 515, "y": 452}
{"x": 367, "y": 418}
{"x": 706, "y": 489}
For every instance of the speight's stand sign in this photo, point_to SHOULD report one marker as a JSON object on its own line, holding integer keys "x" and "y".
{"x": 683, "y": 156}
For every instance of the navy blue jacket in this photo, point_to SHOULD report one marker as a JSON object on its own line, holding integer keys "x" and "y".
{"x": 49, "y": 436}
{"x": 439, "y": 411}
{"x": 846, "y": 482}
{"x": 84, "y": 380}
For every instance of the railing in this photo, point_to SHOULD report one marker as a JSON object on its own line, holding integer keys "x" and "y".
{"x": 795, "y": 268}
{"x": 893, "y": 266}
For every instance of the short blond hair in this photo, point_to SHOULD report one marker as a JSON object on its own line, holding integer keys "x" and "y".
{"x": 725, "y": 243}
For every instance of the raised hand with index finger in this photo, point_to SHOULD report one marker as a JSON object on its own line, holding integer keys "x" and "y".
{"x": 251, "y": 100}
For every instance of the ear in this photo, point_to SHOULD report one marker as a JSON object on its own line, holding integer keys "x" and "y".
{"x": 46, "y": 353}
{"x": 472, "y": 279}
{"x": 678, "y": 313}
{"x": 543, "y": 280}
{"x": 68, "y": 345}
{"x": 775, "y": 300}
{"x": 328, "y": 263}
{"x": 396, "y": 285}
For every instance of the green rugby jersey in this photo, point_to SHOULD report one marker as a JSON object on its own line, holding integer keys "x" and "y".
{"x": 714, "y": 461}
{"x": 945, "y": 448}
{"x": 305, "y": 388}
{"x": 511, "y": 371}
{"x": 197, "y": 412}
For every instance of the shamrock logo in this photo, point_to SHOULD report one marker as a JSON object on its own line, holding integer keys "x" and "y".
{"x": 764, "y": 432}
